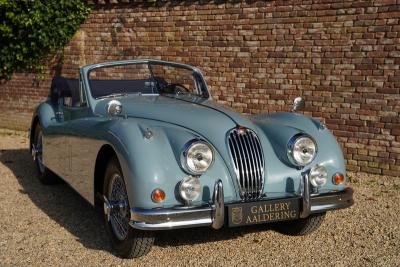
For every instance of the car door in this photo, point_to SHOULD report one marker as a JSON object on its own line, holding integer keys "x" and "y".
{"x": 55, "y": 140}
{"x": 83, "y": 145}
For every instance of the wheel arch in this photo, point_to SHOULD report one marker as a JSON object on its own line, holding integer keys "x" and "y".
{"x": 105, "y": 153}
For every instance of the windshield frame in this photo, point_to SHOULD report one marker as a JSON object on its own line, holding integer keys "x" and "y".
{"x": 203, "y": 89}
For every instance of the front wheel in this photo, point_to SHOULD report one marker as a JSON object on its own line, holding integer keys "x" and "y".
{"x": 127, "y": 241}
{"x": 301, "y": 226}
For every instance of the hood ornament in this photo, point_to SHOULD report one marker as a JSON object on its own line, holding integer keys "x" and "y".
{"x": 241, "y": 130}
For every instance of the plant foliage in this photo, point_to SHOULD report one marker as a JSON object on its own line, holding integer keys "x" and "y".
{"x": 32, "y": 29}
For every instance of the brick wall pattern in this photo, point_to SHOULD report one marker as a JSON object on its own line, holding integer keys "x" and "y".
{"x": 343, "y": 57}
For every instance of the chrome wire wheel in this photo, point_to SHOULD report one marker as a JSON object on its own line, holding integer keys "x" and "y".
{"x": 119, "y": 216}
{"x": 37, "y": 152}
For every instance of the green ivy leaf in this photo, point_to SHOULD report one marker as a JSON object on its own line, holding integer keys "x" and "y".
{"x": 30, "y": 29}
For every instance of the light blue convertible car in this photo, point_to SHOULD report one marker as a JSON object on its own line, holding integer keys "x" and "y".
{"x": 145, "y": 140}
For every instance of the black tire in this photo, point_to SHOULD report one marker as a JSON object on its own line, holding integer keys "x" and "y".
{"x": 135, "y": 243}
{"x": 44, "y": 174}
{"x": 301, "y": 226}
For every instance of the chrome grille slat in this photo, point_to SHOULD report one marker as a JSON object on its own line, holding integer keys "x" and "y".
{"x": 261, "y": 155}
{"x": 248, "y": 161}
{"x": 245, "y": 157}
{"x": 254, "y": 164}
{"x": 257, "y": 159}
{"x": 252, "y": 167}
{"x": 239, "y": 168}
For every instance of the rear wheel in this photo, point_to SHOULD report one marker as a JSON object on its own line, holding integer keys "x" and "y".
{"x": 45, "y": 175}
{"x": 301, "y": 226}
{"x": 127, "y": 241}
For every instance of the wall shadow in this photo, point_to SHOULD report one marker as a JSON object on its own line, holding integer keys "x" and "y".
{"x": 67, "y": 208}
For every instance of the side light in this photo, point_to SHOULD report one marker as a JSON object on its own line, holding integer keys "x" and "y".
{"x": 158, "y": 195}
{"x": 338, "y": 178}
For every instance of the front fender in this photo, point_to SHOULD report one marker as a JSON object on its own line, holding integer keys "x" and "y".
{"x": 280, "y": 127}
{"x": 150, "y": 163}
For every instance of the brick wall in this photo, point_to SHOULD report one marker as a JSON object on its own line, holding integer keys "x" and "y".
{"x": 343, "y": 57}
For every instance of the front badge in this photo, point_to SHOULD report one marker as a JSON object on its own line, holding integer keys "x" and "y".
{"x": 237, "y": 215}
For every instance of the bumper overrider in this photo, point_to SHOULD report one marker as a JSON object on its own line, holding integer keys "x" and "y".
{"x": 214, "y": 213}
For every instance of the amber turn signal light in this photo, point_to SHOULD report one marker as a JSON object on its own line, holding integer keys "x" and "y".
{"x": 157, "y": 195}
{"x": 338, "y": 178}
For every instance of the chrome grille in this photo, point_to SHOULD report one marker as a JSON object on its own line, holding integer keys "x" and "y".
{"x": 248, "y": 160}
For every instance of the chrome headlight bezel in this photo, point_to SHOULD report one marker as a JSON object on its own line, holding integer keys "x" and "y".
{"x": 291, "y": 144}
{"x": 184, "y": 158}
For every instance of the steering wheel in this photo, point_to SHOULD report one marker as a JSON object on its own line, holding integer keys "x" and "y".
{"x": 178, "y": 88}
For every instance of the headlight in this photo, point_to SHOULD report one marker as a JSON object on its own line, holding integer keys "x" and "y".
{"x": 197, "y": 157}
{"x": 189, "y": 188}
{"x": 301, "y": 149}
{"x": 318, "y": 175}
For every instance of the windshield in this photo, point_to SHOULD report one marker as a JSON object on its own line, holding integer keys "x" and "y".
{"x": 146, "y": 79}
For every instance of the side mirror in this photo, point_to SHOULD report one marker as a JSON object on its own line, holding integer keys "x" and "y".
{"x": 114, "y": 108}
{"x": 298, "y": 104}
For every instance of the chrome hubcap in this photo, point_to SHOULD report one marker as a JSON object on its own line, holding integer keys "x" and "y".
{"x": 37, "y": 152}
{"x": 118, "y": 211}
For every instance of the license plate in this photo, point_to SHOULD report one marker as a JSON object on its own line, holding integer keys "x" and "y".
{"x": 263, "y": 212}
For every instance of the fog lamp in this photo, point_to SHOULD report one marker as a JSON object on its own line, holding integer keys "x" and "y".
{"x": 158, "y": 195}
{"x": 318, "y": 175}
{"x": 189, "y": 188}
{"x": 338, "y": 178}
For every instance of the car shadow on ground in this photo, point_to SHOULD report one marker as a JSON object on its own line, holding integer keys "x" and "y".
{"x": 67, "y": 208}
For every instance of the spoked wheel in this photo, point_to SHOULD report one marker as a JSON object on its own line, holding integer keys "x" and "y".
{"x": 45, "y": 175}
{"x": 119, "y": 215}
{"x": 127, "y": 241}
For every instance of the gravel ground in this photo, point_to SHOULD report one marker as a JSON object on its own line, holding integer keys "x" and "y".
{"x": 52, "y": 225}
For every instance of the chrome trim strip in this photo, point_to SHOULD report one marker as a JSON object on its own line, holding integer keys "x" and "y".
{"x": 171, "y": 225}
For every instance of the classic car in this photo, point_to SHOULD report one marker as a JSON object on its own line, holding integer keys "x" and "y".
{"x": 145, "y": 141}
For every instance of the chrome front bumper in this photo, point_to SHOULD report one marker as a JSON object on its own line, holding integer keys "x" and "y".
{"x": 214, "y": 214}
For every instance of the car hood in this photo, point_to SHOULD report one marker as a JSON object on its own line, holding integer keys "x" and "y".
{"x": 203, "y": 116}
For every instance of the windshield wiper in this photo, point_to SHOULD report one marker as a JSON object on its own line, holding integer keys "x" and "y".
{"x": 113, "y": 95}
